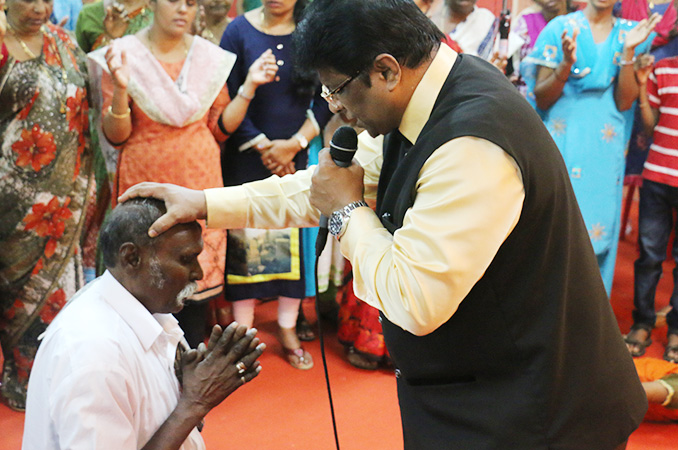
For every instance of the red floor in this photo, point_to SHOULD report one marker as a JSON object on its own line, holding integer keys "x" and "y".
{"x": 288, "y": 409}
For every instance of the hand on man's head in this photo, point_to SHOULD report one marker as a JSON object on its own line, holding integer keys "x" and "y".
{"x": 183, "y": 205}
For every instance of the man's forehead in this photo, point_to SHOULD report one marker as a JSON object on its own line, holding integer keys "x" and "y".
{"x": 181, "y": 236}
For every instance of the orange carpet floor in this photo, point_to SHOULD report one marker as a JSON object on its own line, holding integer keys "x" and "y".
{"x": 286, "y": 408}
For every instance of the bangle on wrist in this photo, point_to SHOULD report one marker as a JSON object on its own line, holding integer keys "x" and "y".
{"x": 671, "y": 393}
{"x": 119, "y": 116}
{"x": 624, "y": 62}
{"x": 241, "y": 92}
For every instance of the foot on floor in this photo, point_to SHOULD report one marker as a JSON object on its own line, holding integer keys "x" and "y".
{"x": 638, "y": 339}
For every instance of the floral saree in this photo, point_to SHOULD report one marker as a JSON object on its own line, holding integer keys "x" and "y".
{"x": 45, "y": 172}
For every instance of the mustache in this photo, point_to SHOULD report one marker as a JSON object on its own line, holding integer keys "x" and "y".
{"x": 187, "y": 291}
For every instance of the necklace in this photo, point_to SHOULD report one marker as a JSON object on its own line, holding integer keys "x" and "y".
{"x": 23, "y": 45}
{"x": 54, "y": 49}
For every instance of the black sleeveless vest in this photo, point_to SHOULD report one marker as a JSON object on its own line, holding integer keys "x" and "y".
{"x": 533, "y": 357}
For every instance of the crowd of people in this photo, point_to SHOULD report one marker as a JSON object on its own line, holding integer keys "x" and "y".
{"x": 98, "y": 97}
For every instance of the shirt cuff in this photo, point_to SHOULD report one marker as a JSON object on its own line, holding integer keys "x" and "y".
{"x": 252, "y": 142}
{"x": 311, "y": 116}
{"x": 227, "y": 207}
{"x": 361, "y": 220}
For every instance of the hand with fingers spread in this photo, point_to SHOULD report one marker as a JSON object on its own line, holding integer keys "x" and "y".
{"x": 640, "y": 32}
{"x": 116, "y": 21}
{"x": 183, "y": 205}
{"x": 213, "y": 373}
{"x": 117, "y": 66}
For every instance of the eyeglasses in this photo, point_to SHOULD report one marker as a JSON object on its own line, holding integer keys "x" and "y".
{"x": 329, "y": 95}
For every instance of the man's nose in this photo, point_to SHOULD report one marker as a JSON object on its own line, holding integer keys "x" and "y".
{"x": 196, "y": 273}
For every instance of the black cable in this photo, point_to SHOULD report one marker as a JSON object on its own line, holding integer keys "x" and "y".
{"x": 319, "y": 246}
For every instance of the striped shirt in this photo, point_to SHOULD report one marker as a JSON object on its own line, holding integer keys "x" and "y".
{"x": 661, "y": 165}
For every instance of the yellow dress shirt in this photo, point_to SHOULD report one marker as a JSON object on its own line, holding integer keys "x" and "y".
{"x": 469, "y": 198}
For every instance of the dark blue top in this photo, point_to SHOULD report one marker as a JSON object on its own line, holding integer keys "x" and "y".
{"x": 277, "y": 110}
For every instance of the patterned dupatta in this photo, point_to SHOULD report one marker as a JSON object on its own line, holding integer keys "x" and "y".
{"x": 178, "y": 104}
{"x": 165, "y": 101}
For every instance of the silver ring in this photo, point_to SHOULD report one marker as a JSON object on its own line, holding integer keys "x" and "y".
{"x": 241, "y": 367}
{"x": 243, "y": 380}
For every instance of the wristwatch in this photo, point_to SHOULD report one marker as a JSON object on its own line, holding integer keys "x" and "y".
{"x": 339, "y": 219}
{"x": 302, "y": 140}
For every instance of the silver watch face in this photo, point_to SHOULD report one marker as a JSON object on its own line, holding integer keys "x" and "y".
{"x": 335, "y": 224}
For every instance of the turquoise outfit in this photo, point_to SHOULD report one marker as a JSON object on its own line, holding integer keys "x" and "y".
{"x": 585, "y": 123}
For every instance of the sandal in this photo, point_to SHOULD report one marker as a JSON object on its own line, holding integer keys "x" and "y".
{"x": 360, "y": 361}
{"x": 299, "y": 358}
{"x": 671, "y": 349}
{"x": 639, "y": 345}
{"x": 304, "y": 330}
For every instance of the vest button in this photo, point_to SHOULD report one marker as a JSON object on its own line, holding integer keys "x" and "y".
{"x": 386, "y": 215}
{"x": 380, "y": 319}
{"x": 397, "y": 373}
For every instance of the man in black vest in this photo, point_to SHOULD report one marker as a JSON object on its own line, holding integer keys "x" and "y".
{"x": 492, "y": 304}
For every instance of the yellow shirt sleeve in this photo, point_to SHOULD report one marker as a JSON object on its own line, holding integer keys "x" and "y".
{"x": 469, "y": 198}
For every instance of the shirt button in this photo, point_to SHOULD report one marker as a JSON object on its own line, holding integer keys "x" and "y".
{"x": 279, "y": 46}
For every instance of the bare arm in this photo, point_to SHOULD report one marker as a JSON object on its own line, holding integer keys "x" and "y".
{"x": 550, "y": 82}
{"x": 117, "y": 120}
{"x": 626, "y": 90}
{"x": 648, "y": 114}
{"x": 263, "y": 70}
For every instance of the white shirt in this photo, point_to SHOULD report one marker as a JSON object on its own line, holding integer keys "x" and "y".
{"x": 103, "y": 376}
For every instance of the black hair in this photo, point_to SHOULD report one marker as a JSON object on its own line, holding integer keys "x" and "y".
{"x": 305, "y": 81}
{"x": 129, "y": 222}
{"x": 346, "y": 35}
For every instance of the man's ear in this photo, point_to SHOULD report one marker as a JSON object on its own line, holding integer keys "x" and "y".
{"x": 129, "y": 256}
{"x": 388, "y": 69}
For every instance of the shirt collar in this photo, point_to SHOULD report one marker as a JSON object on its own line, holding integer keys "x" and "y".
{"x": 147, "y": 327}
{"x": 425, "y": 95}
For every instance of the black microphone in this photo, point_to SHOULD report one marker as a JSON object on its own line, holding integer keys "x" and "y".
{"x": 343, "y": 146}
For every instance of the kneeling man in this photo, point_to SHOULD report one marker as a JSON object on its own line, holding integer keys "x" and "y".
{"x": 108, "y": 373}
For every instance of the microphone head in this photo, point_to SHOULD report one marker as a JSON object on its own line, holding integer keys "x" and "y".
{"x": 343, "y": 145}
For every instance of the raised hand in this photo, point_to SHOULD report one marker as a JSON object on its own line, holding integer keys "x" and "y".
{"x": 263, "y": 70}
{"x": 199, "y": 25}
{"x": 116, "y": 20}
{"x": 643, "y": 66}
{"x": 569, "y": 45}
{"x": 500, "y": 62}
{"x": 641, "y": 31}
{"x": 117, "y": 66}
